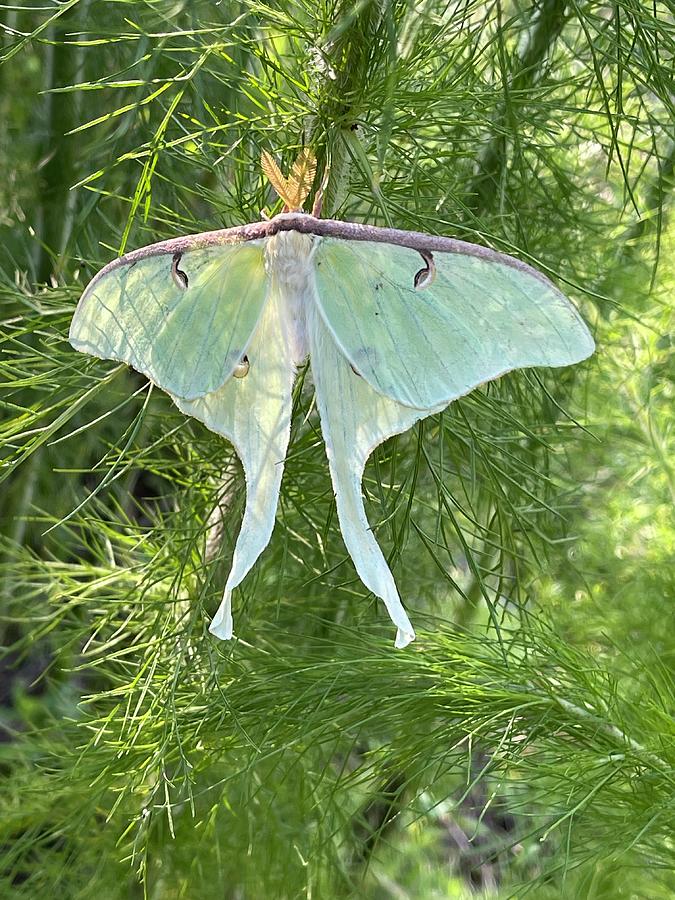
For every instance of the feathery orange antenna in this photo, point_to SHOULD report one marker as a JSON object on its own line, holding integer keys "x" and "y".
{"x": 295, "y": 189}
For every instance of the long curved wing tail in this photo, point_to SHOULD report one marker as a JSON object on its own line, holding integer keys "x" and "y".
{"x": 354, "y": 420}
{"x": 254, "y": 412}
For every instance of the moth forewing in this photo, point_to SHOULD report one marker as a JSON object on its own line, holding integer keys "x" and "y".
{"x": 424, "y": 337}
{"x": 182, "y": 317}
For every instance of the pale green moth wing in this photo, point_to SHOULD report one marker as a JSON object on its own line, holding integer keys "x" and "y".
{"x": 424, "y": 347}
{"x": 183, "y": 319}
{"x": 254, "y": 413}
{"x": 354, "y": 420}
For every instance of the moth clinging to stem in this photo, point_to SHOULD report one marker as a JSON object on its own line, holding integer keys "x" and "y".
{"x": 396, "y": 324}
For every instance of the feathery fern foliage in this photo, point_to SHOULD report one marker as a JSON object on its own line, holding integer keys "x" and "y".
{"x": 525, "y": 744}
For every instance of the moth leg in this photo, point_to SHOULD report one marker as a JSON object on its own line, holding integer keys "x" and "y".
{"x": 318, "y": 197}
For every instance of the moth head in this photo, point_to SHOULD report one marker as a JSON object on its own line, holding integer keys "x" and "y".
{"x": 295, "y": 189}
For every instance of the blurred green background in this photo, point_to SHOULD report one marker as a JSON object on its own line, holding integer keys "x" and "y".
{"x": 523, "y": 746}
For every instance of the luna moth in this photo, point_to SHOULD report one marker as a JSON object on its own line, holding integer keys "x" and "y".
{"x": 396, "y": 324}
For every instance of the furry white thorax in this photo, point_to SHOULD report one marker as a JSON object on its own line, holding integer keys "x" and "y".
{"x": 288, "y": 261}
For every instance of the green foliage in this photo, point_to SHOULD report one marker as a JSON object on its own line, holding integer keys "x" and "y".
{"x": 524, "y": 744}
